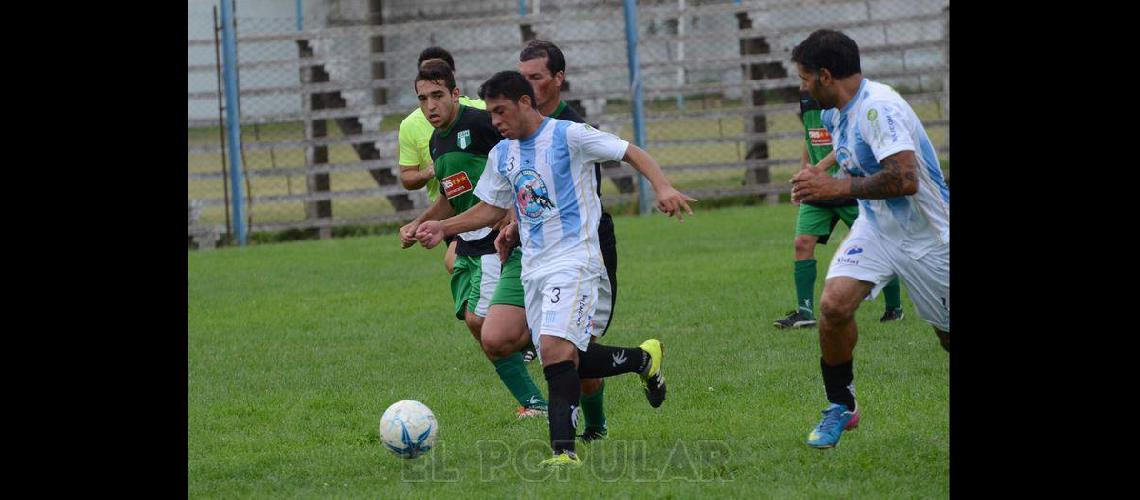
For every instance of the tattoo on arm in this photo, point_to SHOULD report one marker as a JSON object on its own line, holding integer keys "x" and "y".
{"x": 897, "y": 178}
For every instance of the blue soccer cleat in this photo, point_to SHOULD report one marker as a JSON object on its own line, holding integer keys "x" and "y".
{"x": 836, "y": 419}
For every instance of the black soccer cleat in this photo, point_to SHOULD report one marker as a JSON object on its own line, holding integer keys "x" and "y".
{"x": 891, "y": 315}
{"x": 593, "y": 434}
{"x": 795, "y": 319}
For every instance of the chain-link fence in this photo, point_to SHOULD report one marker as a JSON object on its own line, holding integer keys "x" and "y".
{"x": 322, "y": 96}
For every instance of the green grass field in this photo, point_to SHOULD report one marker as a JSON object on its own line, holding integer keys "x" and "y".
{"x": 295, "y": 350}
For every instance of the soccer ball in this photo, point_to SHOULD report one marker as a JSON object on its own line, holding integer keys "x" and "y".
{"x": 408, "y": 428}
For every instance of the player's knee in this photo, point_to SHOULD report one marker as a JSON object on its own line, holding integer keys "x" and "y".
{"x": 944, "y": 339}
{"x": 834, "y": 309}
{"x": 495, "y": 347}
{"x": 556, "y": 350}
{"x": 474, "y": 323}
{"x": 805, "y": 246}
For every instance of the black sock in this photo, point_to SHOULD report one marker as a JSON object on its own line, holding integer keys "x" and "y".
{"x": 839, "y": 381}
{"x": 602, "y": 361}
{"x": 564, "y": 389}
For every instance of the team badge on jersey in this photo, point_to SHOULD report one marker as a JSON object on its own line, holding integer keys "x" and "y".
{"x": 844, "y": 158}
{"x": 531, "y": 193}
{"x": 463, "y": 139}
{"x": 457, "y": 184}
{"x": 819, "y": 137}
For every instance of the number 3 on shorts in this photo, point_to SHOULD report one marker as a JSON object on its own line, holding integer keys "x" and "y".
{"x": 556, "y": 291}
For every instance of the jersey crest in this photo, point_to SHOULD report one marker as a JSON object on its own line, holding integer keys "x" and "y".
{"x": 531, "y": 194}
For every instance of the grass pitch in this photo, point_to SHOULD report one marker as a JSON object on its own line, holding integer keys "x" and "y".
{"x": 295, "y": 350}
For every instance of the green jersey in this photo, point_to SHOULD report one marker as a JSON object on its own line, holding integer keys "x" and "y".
{"x": 815, "y": 134}
{"x": 460, "y": 153}
{"x": 415, "y": 133}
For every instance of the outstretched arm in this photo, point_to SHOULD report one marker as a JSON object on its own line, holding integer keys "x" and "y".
{"x": 669, "y": 200}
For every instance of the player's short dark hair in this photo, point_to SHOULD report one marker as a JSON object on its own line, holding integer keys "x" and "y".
{"x": 436, "y": 53}
{"x": 828, "y": 49}
{"x": 536, "y": 49}
{"x": 436, "y": 71}
{"x": 510, "y": 85}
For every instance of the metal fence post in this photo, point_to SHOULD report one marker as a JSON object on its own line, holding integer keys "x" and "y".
{"x": 629, "y": 7}
{"x": 229, "y": 57}
{"x": 300, "y": 15}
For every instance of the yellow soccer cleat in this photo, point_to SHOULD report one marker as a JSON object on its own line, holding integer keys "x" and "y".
{"x": 653, "y": 380}
{"x": 567, "y": 459}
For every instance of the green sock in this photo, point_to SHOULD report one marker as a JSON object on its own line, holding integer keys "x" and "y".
{"x": 593, "y": 408}
{"x": 892, "y": 294}
{"x": 512, "y": 371}
{"x": 805, "y": 286}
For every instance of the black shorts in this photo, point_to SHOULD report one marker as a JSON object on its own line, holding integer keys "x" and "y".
{"x": 608, "y": 243}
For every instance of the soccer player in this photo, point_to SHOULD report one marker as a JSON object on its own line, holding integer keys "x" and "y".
{"x": 817, "y": 219}
{"x": 416, "y": 168}
{"x": 459, "y": 144}
{"x": 544, "y": 169}
{"x": 903, "y": 227}
{"x": 544, "y": 66}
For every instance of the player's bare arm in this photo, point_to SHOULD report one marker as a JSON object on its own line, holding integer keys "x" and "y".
{"x": 413, "y": 178}
{"x": 827, "y": 161}
{"x": 498, "y": 226}
{"x": 897, "y": 178}
{"x": 669, "y": 200}
{"x": 431, "y": 232}
{"x": 441, "y": 209}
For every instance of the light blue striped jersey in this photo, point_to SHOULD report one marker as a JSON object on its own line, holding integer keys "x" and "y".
{"x": 549, "y": 178}
{"x": 876, "y": 124}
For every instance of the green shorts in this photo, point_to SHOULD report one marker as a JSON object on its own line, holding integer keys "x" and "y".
{"x": 510, "y": 290}
{"x": 476, "y": 283}
{"x": 473, "y": 280}
{"x": 821, "y": 221}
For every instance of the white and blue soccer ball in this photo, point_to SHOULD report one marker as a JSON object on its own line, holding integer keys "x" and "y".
{"x": 408, "y": 428}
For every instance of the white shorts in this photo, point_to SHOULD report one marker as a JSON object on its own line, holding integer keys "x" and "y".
{"x": 569, "y": 304}
{"x": 864, "y": 255}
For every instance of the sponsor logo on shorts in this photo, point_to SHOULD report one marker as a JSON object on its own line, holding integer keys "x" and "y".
{"x": 819, "y": 137}
{"x": 457, "y": 184}
{"x": 551, "y": 317}
{"x": 851, "y": 250}
{"x": 580, "y": 312}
